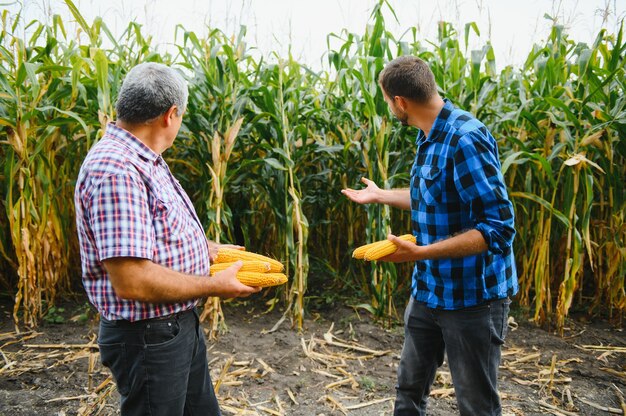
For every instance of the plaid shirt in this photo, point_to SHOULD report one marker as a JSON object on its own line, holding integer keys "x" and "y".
{"x": 456, "y": 186}
{"x": 128, "y": 204}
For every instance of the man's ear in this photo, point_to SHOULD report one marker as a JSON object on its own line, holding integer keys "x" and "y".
{"x": 400, "y": 102}
{"x": 168, "y": 117}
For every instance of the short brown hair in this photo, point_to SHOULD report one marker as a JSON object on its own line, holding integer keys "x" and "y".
{"x": 408, "y": 77}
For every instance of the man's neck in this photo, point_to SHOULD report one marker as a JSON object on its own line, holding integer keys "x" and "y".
{"x": 428, "y": 113}
{"x": 145, "y": 134}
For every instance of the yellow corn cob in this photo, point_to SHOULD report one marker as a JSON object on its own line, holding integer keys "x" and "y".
{"x": 359, "y": 252}
{"x": 385, "y": 248}
{"x": 276, "y": 268}
{"x": 248, "y": 266}
{"x": 261, "y": 279}
{"x": 229, "y": 255}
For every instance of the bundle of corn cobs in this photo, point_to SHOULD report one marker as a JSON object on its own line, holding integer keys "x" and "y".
{"x": 257, "y": 270}
{"x": 379, "y": 249}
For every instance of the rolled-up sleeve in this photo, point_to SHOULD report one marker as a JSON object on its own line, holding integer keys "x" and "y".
{"x": 480, "y": 184}
{"x": 119, "y": 216}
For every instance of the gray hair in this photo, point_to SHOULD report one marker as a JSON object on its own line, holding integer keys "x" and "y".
{"x": 148, "y": 91}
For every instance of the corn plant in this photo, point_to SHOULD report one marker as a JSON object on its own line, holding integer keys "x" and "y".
{"x": 38, "y": 127}
{"x": 357, "y": 64}
{"x": 566, "y": 119}
{"x": 281, "y": 106}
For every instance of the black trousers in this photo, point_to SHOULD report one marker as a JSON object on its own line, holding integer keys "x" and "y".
{"x": 159, "y": 365}
{"x": 472, "y": 339}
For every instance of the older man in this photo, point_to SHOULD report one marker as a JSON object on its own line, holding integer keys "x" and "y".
{"x": 464, "y": 266}
{"x": 145, "y": 257}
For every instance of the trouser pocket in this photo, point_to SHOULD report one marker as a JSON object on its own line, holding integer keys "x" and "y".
{"x": 499, "y": 311}
{"x": 161, "y": 332}
{"x": 113, "y": 356}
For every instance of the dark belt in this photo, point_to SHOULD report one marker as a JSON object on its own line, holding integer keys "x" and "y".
{"x": 171, "y": 317}
{"x": 176, "y": 315}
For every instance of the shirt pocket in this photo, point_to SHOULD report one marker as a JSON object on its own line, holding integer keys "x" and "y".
{"x": 430, "y": 184}
{"x": 170, "y": 219}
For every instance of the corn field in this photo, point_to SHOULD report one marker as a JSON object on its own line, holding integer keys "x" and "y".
{"x": 267, "y": 143}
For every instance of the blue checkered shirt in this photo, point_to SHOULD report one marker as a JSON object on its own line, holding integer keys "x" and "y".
{"x": 456, "y": 186}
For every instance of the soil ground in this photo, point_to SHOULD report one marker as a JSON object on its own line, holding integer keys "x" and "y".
{"x": 341, "y": 361}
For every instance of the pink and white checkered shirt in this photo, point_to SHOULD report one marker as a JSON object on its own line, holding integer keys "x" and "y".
{"x": 128, "y": 204}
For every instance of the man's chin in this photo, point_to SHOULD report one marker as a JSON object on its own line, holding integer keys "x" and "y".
{"x": 403, "y": 120}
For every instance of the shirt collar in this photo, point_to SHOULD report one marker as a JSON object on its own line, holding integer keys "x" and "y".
{"x": 440, "y": 121}
{"x": 132, "y": 142}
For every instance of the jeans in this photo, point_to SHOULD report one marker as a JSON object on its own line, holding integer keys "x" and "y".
{"x": 472, "y": 338}
{"x": 159, "y": 365}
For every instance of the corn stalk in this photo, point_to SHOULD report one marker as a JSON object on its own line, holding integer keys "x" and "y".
{"x": 221, "y": 150}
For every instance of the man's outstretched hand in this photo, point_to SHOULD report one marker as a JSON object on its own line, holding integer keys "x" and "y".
{"x": 368, "y": 195}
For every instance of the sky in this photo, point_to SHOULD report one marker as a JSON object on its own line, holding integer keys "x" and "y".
{"x": 302, "y": 26}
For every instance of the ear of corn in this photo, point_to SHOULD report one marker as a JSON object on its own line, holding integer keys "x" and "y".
{"x": 229, "y": 255}
{"x": 248, "y": 266}
{"x": 359, "y": 252}
{"x": 380, "y": 249}
{"x": 276, "y": 268}
{"x": 256, "y": 279}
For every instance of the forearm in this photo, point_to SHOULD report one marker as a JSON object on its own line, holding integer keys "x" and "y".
{"x": 466, "y": 244}
{"x": 145, "y": 281}
{"x": 398, "y": 198}
{"x": 469, "y": 243}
